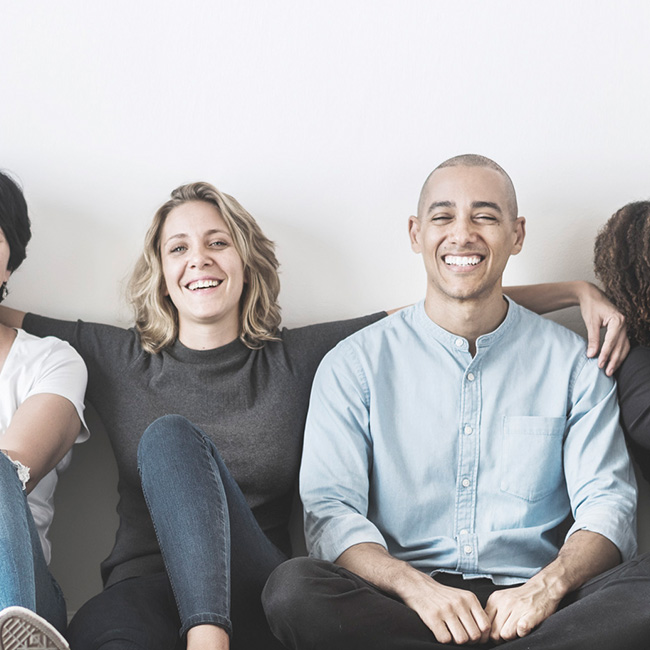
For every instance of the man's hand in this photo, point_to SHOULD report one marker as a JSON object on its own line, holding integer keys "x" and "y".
{"x": 598, "y": 312}
{"x": 453, "y": 615}
{"x": 517, "y": 611}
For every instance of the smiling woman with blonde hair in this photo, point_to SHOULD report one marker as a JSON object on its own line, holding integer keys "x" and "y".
{"x": 155, "y": 315}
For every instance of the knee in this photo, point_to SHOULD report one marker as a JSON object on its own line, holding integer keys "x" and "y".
{"x": 164, "y": 436}
{"x": 289, "y": 590}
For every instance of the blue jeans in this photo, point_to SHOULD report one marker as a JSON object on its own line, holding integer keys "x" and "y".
{"x": 214, "y": 551}
{"x": 24, "y": 577}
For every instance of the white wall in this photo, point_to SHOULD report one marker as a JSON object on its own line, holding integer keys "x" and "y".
{"x": 323, "y": 119}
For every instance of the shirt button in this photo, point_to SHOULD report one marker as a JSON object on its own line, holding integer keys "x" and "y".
{"x": 468, "y": 430}
{"x": 464, "y": 531}
{"x": 459, "y": 342}
{"x": 470, "y": 376}
{"x": 466, "y": 482}
{"x": 467, "y": 549}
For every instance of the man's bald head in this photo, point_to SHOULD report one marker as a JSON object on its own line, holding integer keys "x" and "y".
{"x": 474, "y": 160}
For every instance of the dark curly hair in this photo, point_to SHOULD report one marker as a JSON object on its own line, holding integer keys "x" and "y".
{"x": 622, "y": 263}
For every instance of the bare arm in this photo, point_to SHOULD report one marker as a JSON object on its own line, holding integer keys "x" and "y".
{"x": 517, "y": 611}
{"x": 11, "y": 317}
{"x": 452, "y": 615}
{"x": 42, "y": 430}
{"x": 597, "y": 312}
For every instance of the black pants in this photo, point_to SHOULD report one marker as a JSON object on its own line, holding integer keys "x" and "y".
{"x": 314, "y": 605}
{"x": 141, "y": 614}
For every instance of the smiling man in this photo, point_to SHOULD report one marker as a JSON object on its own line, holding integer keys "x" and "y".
{"x": 464, "y": 477}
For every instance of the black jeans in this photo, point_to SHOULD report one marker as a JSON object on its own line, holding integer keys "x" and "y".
{"x": 313, "y": 605}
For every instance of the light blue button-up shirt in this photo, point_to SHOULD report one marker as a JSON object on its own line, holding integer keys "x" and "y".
{"x": 464, "y": 464}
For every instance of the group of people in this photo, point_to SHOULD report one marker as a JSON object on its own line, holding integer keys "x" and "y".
{"x": 462, "y": 469}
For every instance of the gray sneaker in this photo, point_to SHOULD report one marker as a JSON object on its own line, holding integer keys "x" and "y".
{"x": 22, "y": 629}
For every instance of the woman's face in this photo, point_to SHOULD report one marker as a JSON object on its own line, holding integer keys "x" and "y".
{"x": 4, "y": 257}
{"x": 204, "y": 275}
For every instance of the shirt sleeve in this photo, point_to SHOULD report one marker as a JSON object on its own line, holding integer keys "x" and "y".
{"x": 337, "y": 457}
{"x": 634, "y": 399}
{"x": 599, "y": 474}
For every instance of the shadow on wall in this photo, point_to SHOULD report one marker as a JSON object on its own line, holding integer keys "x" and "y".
{"x": 85, "y": 521}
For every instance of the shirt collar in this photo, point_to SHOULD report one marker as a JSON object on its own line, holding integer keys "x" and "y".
{"x": 455, "y": 342}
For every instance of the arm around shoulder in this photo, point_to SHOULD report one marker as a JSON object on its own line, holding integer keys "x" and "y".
{"x": 597, "y": 312}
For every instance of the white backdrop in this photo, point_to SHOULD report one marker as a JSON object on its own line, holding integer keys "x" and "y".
{"x": 323, "y": 119}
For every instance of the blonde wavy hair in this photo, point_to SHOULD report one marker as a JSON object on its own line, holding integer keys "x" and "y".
{"x": 156, "y": 317}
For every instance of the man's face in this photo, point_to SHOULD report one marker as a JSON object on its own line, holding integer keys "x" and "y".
{"x": 465, "y": 232}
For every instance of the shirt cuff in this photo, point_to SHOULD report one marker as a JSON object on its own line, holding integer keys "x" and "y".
{"x": 340, "y": 533}
{"x": 612, "y": 524}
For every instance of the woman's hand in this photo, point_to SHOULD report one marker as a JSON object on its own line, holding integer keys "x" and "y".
{"x": 598, "y": 312}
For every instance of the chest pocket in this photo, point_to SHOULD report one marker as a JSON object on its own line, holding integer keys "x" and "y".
{"x": 531, "y": 456}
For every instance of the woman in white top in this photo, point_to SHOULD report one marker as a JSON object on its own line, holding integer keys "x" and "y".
{"x": 42, "y": 386}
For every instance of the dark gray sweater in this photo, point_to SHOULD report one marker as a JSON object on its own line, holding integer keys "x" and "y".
{"x": 251, "y": 403}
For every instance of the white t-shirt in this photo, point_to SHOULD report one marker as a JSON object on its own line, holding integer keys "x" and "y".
{"x": 42, "y": 365}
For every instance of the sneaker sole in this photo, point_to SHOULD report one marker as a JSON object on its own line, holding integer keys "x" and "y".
{"x": 21, "y": 629}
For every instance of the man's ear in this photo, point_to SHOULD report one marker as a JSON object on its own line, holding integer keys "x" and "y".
{"x": 520, "y": 235}
{"x": 414, "y": 234}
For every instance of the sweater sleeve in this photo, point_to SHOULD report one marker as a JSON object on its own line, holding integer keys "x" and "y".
{"x": 106, "y": 350}
{"x": 634, "y": 398}
{"x": 42, "y": 326}
{"x": 306, "y": 346}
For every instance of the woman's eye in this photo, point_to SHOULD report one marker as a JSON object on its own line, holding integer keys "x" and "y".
{"x": 219, "y": 243}
{"x": 177, "y": 249}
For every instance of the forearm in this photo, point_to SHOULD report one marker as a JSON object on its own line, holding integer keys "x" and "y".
{"x": 515, "y": 612}
{"x": 374, "y": 563}
{"x": 582, "y": 557}
{"x": 550, "y": 296}
{"x": 40, "y": 433}
{"x": 451, "y": 614}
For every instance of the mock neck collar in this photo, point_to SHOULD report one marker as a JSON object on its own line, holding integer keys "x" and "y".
{"x": 456, "y": 342}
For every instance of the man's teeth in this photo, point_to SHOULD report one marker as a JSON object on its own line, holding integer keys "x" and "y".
{"x": 457, "y": 260}
{"x": 203, "y": 284}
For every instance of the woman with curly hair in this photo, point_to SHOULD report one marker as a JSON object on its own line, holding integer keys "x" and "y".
{"x": 622, "y": 263}
{"x": 221, "y": 393}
